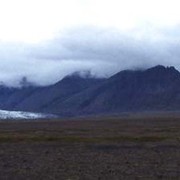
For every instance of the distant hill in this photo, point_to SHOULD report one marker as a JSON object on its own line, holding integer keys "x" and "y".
{"x": 154, "y": 89}
{"x": 40, "y": 99}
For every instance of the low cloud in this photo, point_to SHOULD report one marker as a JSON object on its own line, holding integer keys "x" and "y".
{"x": 102, "y": 51}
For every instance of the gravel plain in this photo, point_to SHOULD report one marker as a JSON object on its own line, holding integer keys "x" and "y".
{"x": 91, "y": 149}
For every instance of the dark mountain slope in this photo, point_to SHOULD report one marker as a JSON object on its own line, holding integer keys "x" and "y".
{"x": 154, "y": 89}
{"x": 5, "y": 92}
{"x": 42, "y": 98}
{"x": 10, "y": 97}
{"x": 157, "y": 88}
{"x": 18, "y": 96}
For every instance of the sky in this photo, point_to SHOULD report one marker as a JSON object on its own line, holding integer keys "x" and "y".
{"x": 45, "y": 40}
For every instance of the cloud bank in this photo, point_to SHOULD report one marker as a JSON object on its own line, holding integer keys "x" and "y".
{"x": 103, "y": 51}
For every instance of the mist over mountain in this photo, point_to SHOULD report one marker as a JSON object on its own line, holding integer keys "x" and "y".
{"x": 153, "y": 89}
{"x": 102, "y": 51}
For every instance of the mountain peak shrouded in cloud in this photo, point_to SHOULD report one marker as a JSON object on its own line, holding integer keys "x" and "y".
{"x": 161, "y": 68}
{"x": 24, "y": 82}
{"x": 81, "y": 74}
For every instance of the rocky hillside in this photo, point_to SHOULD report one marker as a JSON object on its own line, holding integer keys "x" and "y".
{"x": 154, "y": 89}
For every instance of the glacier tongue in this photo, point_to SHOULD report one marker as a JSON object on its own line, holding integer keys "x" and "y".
{"x": 22, "y": 115}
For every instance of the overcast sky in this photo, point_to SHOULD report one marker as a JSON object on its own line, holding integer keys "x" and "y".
{"x": 45, "y": 40}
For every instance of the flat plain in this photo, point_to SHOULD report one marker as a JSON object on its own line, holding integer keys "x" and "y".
{"x": 99, "y": 148}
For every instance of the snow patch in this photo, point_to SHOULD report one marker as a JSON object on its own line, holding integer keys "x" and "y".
{"x": 22, "y": 115}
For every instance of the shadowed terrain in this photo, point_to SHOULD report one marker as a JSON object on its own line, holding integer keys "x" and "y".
{"x": 153, "y": 89}
{"x": 129, "y": 147}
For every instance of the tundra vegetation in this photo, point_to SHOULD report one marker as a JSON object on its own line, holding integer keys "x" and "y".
{"x": 127, "y": 147}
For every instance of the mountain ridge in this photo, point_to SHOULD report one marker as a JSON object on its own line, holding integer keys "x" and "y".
{"x": 119, "y": 92}
{"x": 153, "y": 89}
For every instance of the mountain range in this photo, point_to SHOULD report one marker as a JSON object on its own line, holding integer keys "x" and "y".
{"x": 153, "y": 89}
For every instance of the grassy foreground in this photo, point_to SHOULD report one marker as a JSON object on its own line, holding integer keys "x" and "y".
{"x": 95, "y": 148}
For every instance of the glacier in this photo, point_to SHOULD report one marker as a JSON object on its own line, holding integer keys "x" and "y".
{"x": 4, "y": 114}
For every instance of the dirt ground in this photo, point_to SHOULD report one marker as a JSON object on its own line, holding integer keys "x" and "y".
{"x": 91, "y": 149}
